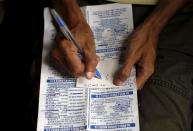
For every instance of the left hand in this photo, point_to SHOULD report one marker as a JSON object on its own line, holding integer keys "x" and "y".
{"x": 141, "y": 52}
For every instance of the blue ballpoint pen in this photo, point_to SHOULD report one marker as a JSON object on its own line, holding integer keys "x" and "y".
{"x": 65, "y": 30}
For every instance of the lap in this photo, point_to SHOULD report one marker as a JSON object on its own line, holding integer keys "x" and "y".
{"x": 166, "y": 100}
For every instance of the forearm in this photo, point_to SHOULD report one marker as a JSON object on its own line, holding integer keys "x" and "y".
{"x": 70, "y": 11}
{"x": 161, "y": 15}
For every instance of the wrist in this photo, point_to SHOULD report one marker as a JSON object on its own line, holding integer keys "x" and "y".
{"x": 152, "y": 26}
{"x": 149, "y": 28}
{"x": 73, "y": 19}
{"x": 70, "y": 12}
{"x": 162, "y": 14}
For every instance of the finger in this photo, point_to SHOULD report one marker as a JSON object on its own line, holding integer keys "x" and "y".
{"x": 69, "y": 54}
{"x": 98, "y": 58}
{"x": 59, "y": 61}
{"x": 59, "y": 37}
{"x": 143, "y": 75}
{"x": 91, "y": 60}
{"x": 61, "y": 65}
{"x": 122, "y": 74}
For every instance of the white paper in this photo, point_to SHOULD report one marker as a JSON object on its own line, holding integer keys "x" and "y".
{"x": 111, "y": 26}
{"x": 65, "y": 107}
{"x": 112, "y": 109}
{"x": 61, "y": 104}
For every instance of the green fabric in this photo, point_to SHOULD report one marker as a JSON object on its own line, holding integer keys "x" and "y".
{"x": 166, "y": 100}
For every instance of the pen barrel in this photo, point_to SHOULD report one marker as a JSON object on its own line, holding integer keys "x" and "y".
{"x": 80, "y": 56}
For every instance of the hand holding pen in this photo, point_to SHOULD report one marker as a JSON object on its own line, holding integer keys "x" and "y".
{"x": 75, "y": 52}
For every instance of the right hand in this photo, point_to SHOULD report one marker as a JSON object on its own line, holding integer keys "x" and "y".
{"x": 65, "y": 53}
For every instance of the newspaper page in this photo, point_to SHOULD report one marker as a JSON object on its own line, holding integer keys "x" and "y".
{"x": 62, "y": 106}
{"x": 66, "y": 106}
{"x": 111, "y": 26}
{"x": 110, "y": 107}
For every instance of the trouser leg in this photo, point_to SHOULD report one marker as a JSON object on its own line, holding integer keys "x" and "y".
{"x": 166, "y": 100}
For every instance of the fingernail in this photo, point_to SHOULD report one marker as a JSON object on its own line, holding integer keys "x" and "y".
{"x": 119, "y": 83}
{"x": 89, "y": 75}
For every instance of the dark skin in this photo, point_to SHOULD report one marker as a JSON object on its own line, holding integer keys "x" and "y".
{"x": 141, "y": 49}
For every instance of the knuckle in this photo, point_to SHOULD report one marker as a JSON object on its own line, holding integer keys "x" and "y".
{"x": 54, "y": 54}
{"x": 91, "y": 59}
{"x": 77, "y": 71}
{"x": 62, "y": 44}
{"x": 122, "y": 76}
{"x": 152, "y": 70}
{"x": 66, "y": 47}
{"x": 93, "y": 62}
{"x": 149, "y": 71}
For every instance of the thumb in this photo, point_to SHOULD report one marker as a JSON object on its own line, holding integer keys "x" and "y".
{"x": 122, "y": 75}
{"x": 90, "y": 66}
{"x": 91, "y": 61}
{"x": 142, "y": 76}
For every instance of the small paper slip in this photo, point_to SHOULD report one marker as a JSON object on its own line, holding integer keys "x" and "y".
{"x": 107, "y": 69}
{"x": 141, "y": 2}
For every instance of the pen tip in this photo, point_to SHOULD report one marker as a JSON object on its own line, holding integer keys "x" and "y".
{"x": 97, "y": 74}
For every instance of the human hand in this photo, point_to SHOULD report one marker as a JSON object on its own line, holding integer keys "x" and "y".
{"x": 65, "y": 53}
{"x": 141, "y": 52}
